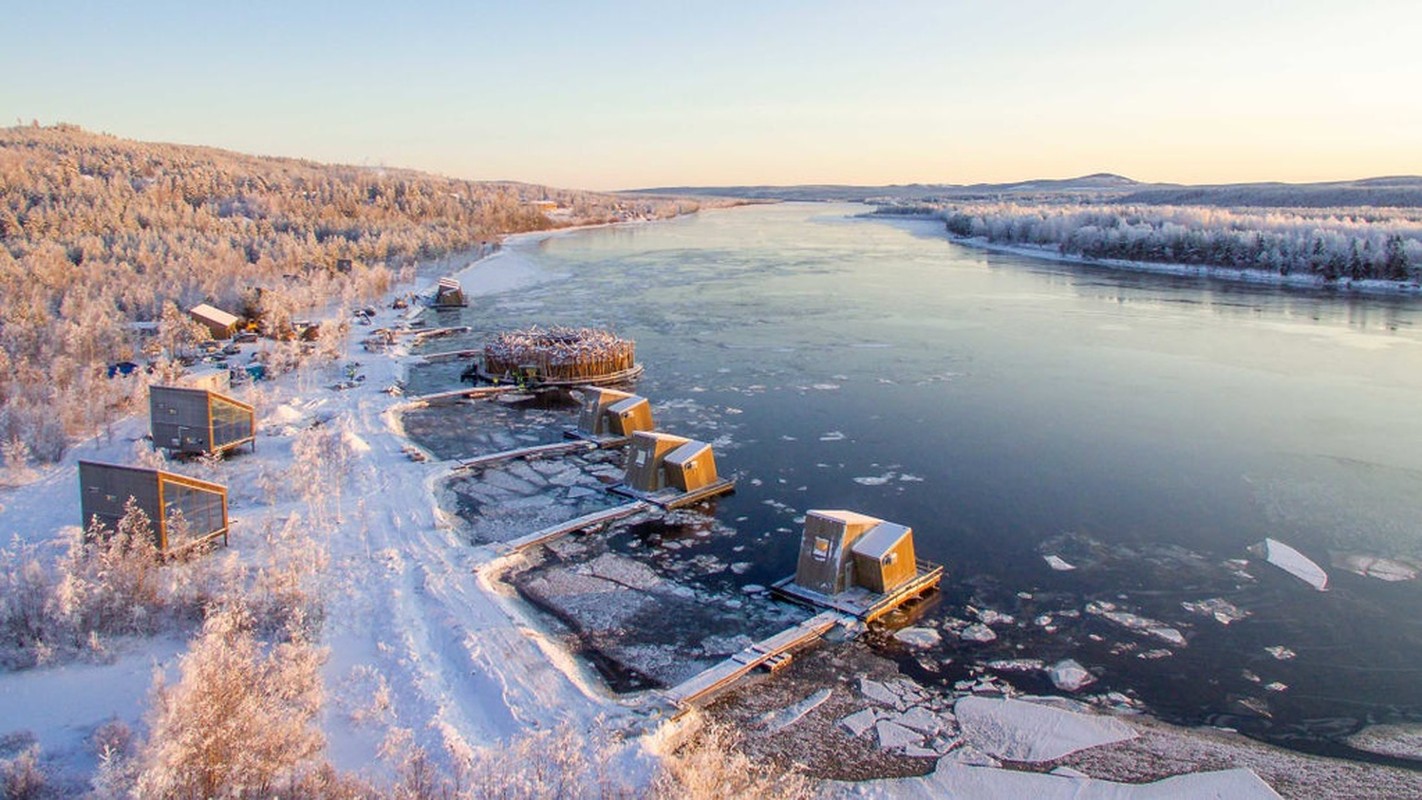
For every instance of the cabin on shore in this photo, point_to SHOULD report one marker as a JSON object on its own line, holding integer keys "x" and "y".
{"x": 219, "y": 324}
{"x": 184, "y": 511}
{"x": 199, "y": 420}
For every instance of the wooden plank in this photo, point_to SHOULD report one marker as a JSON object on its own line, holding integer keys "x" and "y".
{"x": 477, "y": 391}
{"x": 446, "y": 355}
{"x": 533, "y": 451}
{"x": 564, "y": 528}
{"x": 766, "y": 652}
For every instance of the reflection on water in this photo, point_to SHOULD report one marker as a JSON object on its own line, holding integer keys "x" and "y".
{"x": 1148, "y": 427}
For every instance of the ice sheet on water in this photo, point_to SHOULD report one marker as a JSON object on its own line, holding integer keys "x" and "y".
{"x": 1222, "y": 610}
{"x": 1058, "y": 563}
{"x": 1384, "y": 569}
{"x": 1069, "y": 676}
{"x": 1136, "y": 622}
{"x": 1293, "y": 562}
{"x": 1021, "y": 731}
{"x": 860, "y": 722}
{"x": 785, "y": 717}
{"x": 977, "y": 632}
{"x": 918, "y": 637}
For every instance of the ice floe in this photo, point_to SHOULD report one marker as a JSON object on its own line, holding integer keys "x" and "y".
{"x": 1017, "y": 730}
{"x": 1069, "y": 676}
{"x": 1384, "y": 569}
{"x": 1136, "y": 622}
{"x": 1293, "y": 562}
{"x": 1223, "y": 611}
{"x": 918, "y": 637}
{"x": 977, "y": 632}
{"x": 1058, "y": 563}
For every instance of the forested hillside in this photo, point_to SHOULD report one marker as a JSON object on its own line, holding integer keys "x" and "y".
{"x": 99, "y": 232}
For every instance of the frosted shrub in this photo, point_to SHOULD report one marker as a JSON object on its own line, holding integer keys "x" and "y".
{"x": 21, "y": 777}
{"x": 16, "y": 454}
{"x": 27, "y": 625}
{"x": 239, "y": 721}
{"x": 109, "y": 580}
{"x": 708, "y": 763}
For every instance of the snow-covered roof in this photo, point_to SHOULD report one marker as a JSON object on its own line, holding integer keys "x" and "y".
{"x": 213, "y": 314}
{"x": 880, "y": 540}
{"x": 842, "y": 516}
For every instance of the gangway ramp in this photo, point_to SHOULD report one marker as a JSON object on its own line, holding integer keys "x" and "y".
{"x": 768, "y": 652}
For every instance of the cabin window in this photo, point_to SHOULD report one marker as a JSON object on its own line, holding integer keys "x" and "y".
{"x": 890, "y": 558}
{"x": 691, "y": 466}
{"x": 821, "y": 548}
{"x": 641, "y": 458}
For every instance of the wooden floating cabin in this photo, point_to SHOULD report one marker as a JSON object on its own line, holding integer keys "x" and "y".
{"x": 670, "y": 471}
{"x": 857, "y": 564}
{"x": 220, "y": 324}
{"x": 448, "y": 294}
{"x": 165, "y": 497}
{"x": 199, "y": 420}
{"x": 609, "y": 417}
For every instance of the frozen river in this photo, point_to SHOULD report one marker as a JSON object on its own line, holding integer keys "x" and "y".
{"x": 1144, "y": 429}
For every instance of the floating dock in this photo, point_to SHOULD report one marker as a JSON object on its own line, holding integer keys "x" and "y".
{"x": 772, "y": 654}
{"x": 448, "y": 355}
{"x": 859, "y": 602}
{"x": 533, "y": 451}
{"x": 562, "y": 529}
{"x": 456, "y": 394}
{"x": 670, "y": 498}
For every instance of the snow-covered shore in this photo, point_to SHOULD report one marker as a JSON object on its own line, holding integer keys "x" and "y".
{"x": 421, "y": 640}
{"x": 1254, "y": 276}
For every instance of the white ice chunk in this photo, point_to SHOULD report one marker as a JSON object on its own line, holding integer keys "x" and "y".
{"x": 860, "y": 721}
{"x": 785, "y": 717}
{"x": 1058, "y": 564}
{"x": 977, "y": 632}
{"x": 1280, "y": 652}
{"x": 918, "y": 637}
{"x": 878, "y": 692}
{"x": 1384, "y": 569}
{"x": 956, "y": 778}
{"x": 1293, "y": 562}
{"x": 1221, "y": 609}
{"x": 893, "y": 736}
{"x": 1069, "y": 676}
{"x": 1018, "y": 731}
{"x": 920, "y": 719}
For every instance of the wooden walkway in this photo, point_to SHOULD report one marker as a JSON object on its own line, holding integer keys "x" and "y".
{"x": 564, "y": 528}
{"x": 430, "y": 358}
{"x": 533, "y": 451}
{"x": 768, "y": 652}
{"x": 454, "y": 394}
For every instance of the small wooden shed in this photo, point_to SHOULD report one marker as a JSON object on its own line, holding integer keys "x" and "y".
{"x": 219, "y": 323}
{"x": 188, "y": 420}
{"x": 165, "y": 497}
{"x": 691, "y": 466}
{"x": 592, "y": 418}
{"x": 826, "y": 563}
{"x": 884, "y": 558}
{"x": 449, "y": 294}
{"x": 646, "y": 460}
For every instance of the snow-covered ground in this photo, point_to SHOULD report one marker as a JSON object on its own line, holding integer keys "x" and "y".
{"x": 420, "y": 638}
{"x": 1257, "y": 276}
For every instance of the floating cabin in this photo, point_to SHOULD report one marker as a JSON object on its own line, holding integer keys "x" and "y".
{"x": 609, "y": 417}
{"x": 857, "y": 564}
{"x": 165, "y": 497}
{"x": 219, "y": 323}
{"x": 670, "y": 471}
{"x": 199, "y": 420}
{"x": 449, "y": 294}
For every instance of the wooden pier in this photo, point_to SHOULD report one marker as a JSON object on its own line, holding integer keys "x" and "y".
{"x": 532, "y": 451}
{"x": 448, "y": 355}
{"x": 671, "y": 499}
{"x": 772, "y": 654}
{"x": 592, "y": 520}
{"x": 456, "y": 394}
{"x": 862, "y": 603}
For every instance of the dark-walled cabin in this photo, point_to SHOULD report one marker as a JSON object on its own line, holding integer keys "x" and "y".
{"x": 191, "y": 421}
{"x": 184, "y": 511}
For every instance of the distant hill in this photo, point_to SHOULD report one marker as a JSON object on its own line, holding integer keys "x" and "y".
{"x": 1395, "y": 191}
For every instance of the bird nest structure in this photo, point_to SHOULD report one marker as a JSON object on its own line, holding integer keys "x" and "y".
{"x": 560, "y": 355}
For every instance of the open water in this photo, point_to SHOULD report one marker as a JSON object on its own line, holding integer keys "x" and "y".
{"x": 1145, "y": 429}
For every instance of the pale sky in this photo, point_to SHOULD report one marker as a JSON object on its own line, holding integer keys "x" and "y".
{"x": 633, "y": 94}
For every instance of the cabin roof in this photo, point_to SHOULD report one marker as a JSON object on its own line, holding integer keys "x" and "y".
{"x": 213, "y": 314}
{"x": 880, "y": 540}
{"x": 845, "y": 517}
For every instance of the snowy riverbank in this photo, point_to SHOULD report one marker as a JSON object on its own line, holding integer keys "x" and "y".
{"x": 1258, "y": 277}
{"x": 425, "y": 646}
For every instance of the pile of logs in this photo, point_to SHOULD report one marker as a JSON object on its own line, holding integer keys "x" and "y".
{"x": 559, "y": 353}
